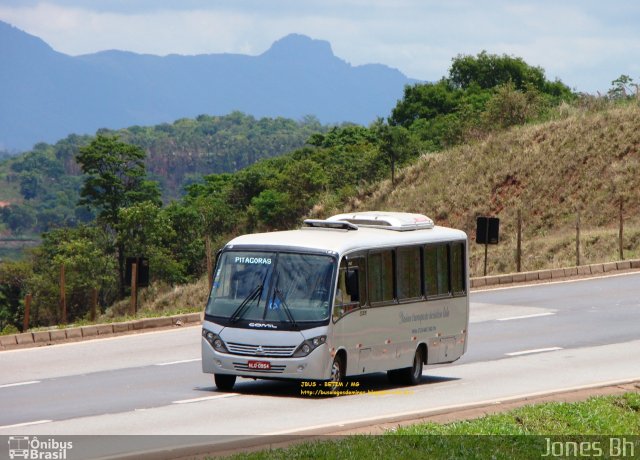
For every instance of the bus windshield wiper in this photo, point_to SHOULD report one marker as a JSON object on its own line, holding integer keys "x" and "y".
{"x": 255, "y": 293}
{"x": 287, "y": 310}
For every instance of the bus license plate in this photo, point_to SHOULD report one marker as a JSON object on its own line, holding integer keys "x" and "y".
{"x": 263, "y": 365}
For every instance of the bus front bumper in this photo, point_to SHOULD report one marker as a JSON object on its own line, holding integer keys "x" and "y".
{"x": 314, "y": 366}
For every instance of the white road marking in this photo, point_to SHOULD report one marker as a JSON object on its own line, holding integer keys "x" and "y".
{"x": 19, "y": 425}
{"x": 536, "y": 315}
{"x": 179, "y": 362}
{"x": 19, "y": 384}
{"x": 537, "y": 350}
{"x": 205, "y": 398}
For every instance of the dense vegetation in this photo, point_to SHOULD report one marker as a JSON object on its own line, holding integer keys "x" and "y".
{"x": 43, "y": 185}
{"x": 482, "y": 96}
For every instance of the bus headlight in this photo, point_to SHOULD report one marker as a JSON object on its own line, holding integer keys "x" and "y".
{"x": 308, "y": 346}
{"x": 216, "y": 342}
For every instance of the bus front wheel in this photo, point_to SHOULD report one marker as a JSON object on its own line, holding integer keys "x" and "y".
{"x": 224, "y": 382}
{"x": 337, "y": 373}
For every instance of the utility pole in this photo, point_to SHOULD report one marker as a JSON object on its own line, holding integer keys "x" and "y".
{"x": 27, "y": 312}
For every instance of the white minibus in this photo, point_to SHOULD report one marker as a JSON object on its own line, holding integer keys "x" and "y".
{"x": 350, "y": 295}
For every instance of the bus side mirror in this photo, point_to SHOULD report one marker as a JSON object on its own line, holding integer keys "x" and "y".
{"x": 353, "y": 285}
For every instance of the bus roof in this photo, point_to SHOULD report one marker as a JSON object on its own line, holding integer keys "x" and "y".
{"x": 348, "y": 238}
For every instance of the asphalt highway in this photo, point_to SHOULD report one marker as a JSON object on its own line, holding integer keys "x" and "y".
{"x": 522, "y": 341}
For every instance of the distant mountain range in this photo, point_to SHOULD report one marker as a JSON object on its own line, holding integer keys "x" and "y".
{"x": 46, "y": 95}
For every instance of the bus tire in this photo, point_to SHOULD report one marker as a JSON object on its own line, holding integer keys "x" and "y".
{"x": 337, "y": 373}
{"x": 413, "y": 375}
{"x": 224, "y": 382}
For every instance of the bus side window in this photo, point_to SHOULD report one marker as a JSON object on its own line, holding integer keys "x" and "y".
{"x": 345, "y": 301}
{"x": 380, "y": 277}
{"x": 408, "y": 276}
{"x": 458, "y": 268}
{"x": 351, "y": 291}
{"x": 358, "y": 265}
{"x": 436, "y": 270}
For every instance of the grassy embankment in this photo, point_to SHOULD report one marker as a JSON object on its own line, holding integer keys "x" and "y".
{"x": 519, "y": 434}
{"x": 585, "y": 161}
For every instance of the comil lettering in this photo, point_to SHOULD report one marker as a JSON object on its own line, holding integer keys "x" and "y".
{"x": 253, "y": 260}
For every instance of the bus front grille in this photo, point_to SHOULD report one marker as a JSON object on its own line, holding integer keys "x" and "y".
{"x": 260, "y": 350}
{"x": 273, "y": 370}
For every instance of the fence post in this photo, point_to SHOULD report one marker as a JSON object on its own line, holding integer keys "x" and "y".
{"x": 519, "y": 243}
{"x": 94, "y": 304}
{"x": 63, "y": 297}
{"x": 134, "y": 286}
{"x": 578, "y": 240}
{"x": 621, "y": 232}
{"x": 27, "y": 313}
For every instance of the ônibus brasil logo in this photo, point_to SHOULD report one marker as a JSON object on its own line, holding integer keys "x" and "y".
{"x": 36, "y": 449}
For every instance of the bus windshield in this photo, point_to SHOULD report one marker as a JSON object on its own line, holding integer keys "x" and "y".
{"x": 274, "y": 287}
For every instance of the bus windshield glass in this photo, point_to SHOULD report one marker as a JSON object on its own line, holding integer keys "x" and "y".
{"x": 272, "y": 287}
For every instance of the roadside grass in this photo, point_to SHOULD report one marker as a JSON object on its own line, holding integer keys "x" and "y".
{"x": 161, "y": 299}
{"x": 556, "y": 249}
{"x": 523, "y": 433}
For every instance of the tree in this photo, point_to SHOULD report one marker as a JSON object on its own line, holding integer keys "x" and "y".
{"x": 146, "y": 231}
{"x": 89, "y": 264}
{"x": 116, "y": 179}
{"x": 510, "y": 106}
{"x": 425, "y": 101}
{"x": 18, "y": 218}
{"x": 272, "y": 209}
{"x": 395, "y": 145}
{"x": 188, "y": 247}
{"x": 445, "y": 112}
{"x": 30, "y": 185}
{"x": 490, "y": 70}
{"x": 14, "y": 277}
{"x": 623, "y": 88}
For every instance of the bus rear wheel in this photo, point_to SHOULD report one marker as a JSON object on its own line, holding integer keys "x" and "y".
{"x": 225, "y": 382}
{"x": 408, "y": 375}
{"x": 412, "y": 375}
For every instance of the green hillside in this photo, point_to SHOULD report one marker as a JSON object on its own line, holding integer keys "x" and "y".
{"x": 585, "y": 160}
{"x": 45, "y": 181}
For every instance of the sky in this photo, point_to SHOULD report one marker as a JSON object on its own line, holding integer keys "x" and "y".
{"x": 584, "y": 43}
